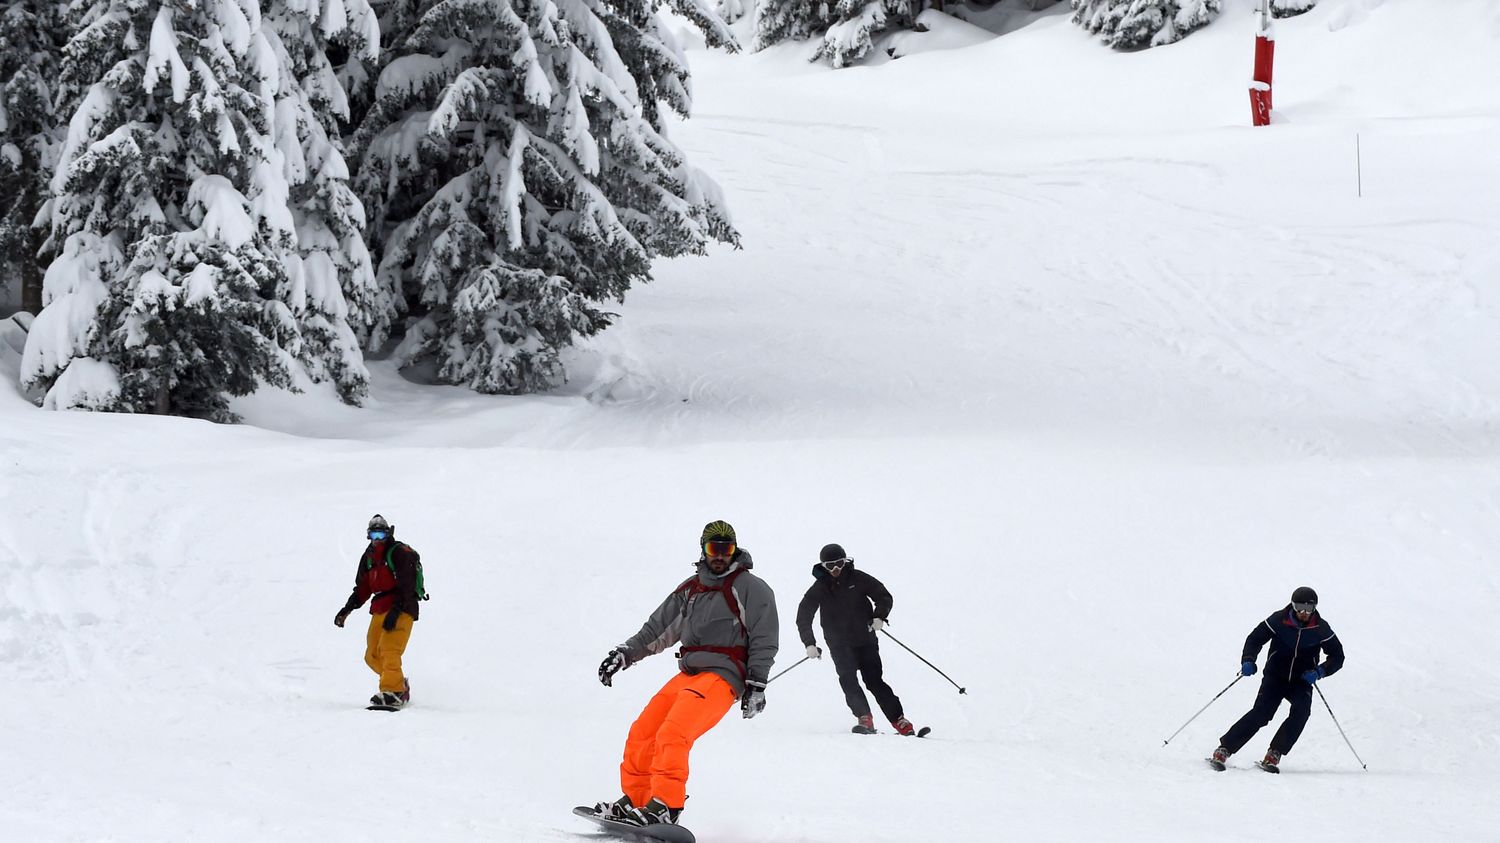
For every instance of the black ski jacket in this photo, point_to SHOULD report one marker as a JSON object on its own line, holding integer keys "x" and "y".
{"x": 1294, "y": 646}
{"x": 848, "y": 603}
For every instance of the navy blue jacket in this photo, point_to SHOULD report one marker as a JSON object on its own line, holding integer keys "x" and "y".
{"x": 1294, "y": 646}
{"x": 848, "y": 602}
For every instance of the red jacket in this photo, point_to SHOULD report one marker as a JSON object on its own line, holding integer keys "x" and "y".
{"x": 389, "y": 589}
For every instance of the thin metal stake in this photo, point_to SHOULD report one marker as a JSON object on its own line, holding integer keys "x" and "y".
{"x": 1359, "y": 169}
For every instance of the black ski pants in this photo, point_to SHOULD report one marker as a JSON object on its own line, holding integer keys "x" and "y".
{"x": 1273, "y": 689}
{"x": 854, "y": 661}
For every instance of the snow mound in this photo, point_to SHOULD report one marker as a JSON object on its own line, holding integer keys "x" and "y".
{"x": 936, "y": 31}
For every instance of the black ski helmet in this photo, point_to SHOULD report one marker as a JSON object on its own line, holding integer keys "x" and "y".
{"x": 1303, "y": 594}
{"x": 378, "y": 522}
{"x": 832, "y": 553}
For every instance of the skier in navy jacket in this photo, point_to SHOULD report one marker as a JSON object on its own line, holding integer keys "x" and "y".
{"x": 1298, "y": 635}
{"x": 854, "y": 606}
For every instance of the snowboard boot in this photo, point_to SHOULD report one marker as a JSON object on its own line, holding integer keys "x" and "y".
{"x": 1272, "y": 762}
{"x": 903, "y": 727}
{"x": 388, "y": 698}
{"x": 865, "y": 726}
{"x": 656, "y": 812}
{"x": 620, "y": 810}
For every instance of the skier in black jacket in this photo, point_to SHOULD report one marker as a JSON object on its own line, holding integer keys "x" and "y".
{"x": 1298, "y": 634}
{"x": 855, "y": 606}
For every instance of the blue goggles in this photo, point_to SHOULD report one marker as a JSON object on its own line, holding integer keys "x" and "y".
{"x": 379, "y": 535}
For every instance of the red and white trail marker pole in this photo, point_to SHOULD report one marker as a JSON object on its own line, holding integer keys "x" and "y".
{"x": 1265, "y": 56}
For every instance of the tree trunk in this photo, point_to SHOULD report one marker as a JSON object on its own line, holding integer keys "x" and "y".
{"x": 31, "y": 278}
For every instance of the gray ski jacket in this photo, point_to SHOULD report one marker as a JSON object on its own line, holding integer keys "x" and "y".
{"x": 696, "y": 614}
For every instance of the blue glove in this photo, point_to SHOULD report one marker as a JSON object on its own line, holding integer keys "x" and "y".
{"x": 1312, "y": 676}
{"x": 1247, "y": 668}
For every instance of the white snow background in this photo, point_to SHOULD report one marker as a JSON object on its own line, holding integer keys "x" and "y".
{"x": 1087, "y": 370}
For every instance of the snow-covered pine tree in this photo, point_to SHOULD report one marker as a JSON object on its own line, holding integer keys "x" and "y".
{"x": 331, "y": 283}
{"x": 791, "y": 20}
{"x": 731, "y": 11}
{"x": 1138, "y": 24}
{"x": 856, "y": 24}
{"x": 32, "y": 35}
{"x": 170, "y": 212}
{"x": 517, "y": 175}
{"x": 1291, "y": 8}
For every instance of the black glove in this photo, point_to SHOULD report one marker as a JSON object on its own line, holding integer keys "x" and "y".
{"x": 338, "y": 620}
{"x": 612, "y": 664}
{"x": 390, "y": 620}
{"x": 754, "y": 700}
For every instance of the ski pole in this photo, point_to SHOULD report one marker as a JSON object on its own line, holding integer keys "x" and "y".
{"x": 1341, "y": 728}
{"x": 1203, "y": 709}
{"x": 794, "y": 664}
{"x": 961, "y": 689}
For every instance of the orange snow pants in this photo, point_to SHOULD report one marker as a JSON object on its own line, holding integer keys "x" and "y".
{"x": 656, "y": 752}
{"x": 383, "y": 650}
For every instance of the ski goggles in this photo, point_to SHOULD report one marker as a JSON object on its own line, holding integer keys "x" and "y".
{"x": 379, "y": 535}
{"x": 835, "y": 565}
{"x": 1304, "y": 608}
{"x": 718, "y": 549}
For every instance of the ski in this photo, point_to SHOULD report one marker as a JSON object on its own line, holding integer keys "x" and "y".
{"x": 1269, "y": 768}
{"x": 654, "y": 833}
{"x": 1217, "y": 765}
{"x": 920, "y": 733}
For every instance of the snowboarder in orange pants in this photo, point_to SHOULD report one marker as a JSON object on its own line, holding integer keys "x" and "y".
{"x": 725, "y": 619}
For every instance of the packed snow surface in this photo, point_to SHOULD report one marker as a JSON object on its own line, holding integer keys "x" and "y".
{"x": 1089, "y": 372}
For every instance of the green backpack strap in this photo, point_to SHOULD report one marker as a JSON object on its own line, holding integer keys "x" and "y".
{"x": 391, "y": 564}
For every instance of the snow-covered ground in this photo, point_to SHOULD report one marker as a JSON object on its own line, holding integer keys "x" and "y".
{"x": 1088, "y": 371}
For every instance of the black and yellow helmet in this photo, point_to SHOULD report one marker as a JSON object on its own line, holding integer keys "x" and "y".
{"x": 717, "y": 531}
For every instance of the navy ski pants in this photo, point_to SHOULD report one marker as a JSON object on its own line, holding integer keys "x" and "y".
{"x": 1273, "y": 689}
{"x": 851, "y": 662}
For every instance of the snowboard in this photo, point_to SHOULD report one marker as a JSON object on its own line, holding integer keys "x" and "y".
{"x": 655, "y": 833}
{"x": 383, "y": 708}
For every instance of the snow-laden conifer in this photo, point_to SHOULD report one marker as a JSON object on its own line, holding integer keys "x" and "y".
{"x": 856, "y": 24}
{"x": 169, "y": 215}
{"x": 791, "y": 20}
{"x": 1137, "y": 24}
{"x": 32, "y": 34}
{"x": 330, "y": 278}
{"x": 517, "y": 175}
{"x": 1291, "y": 8}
